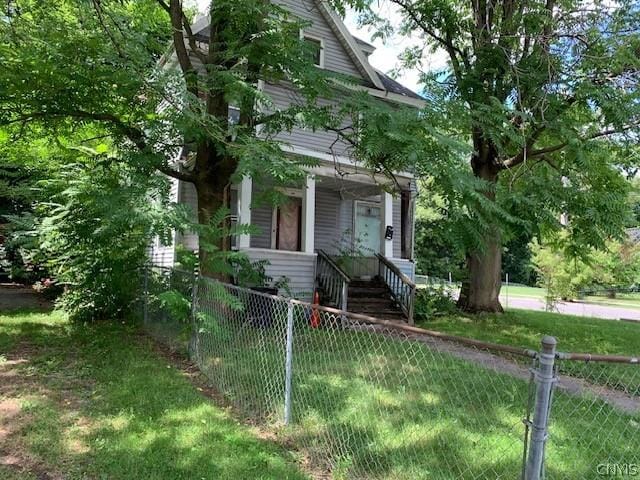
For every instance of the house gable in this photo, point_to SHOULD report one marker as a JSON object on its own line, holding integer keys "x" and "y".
{"x": 342, "y": 53}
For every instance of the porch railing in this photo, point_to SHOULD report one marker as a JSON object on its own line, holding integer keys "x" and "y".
{"x": 333, "y": 280}
{"x": 402, "y": 289}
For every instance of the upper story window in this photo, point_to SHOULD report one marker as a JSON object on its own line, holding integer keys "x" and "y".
{"x": 316, "y": 48}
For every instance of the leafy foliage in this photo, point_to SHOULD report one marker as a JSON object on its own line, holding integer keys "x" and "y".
{"x": 565, "y": 275}
{"x": 547, "y": 95}
{"x": 433, "y": 301}
{"x": 94, "y": 231}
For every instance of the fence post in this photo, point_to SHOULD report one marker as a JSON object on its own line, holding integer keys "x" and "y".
{"x": 507, "y": 292}
{"x": 145, "y": 304}
{"x": 194, "y": 320}
{"x": 544, "y": 380}
{"x": 288, "y": 368}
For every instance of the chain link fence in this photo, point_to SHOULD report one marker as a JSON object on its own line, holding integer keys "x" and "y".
{"x": 364, "y": 398}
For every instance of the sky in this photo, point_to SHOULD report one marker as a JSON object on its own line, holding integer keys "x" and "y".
{"x": 386, "y": 54}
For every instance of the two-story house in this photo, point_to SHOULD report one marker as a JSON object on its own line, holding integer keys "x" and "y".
{"x": 341, "y": 210}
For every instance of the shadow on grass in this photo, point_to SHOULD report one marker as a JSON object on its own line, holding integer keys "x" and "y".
{"x": 133, "y": 416}
{"x": 369, "y": 406}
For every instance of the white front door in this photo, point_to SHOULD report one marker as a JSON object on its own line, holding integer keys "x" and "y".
{"x": 367, "y": 228}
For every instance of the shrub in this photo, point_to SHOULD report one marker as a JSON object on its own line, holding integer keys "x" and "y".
{"x": 433, "y": 301}
{"x": 94, "y": 232}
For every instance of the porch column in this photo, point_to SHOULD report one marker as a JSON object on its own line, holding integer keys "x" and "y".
{"x": 244, "y": 210}
{"x": 309, "y": 214}
{"x": 386, "y": 246}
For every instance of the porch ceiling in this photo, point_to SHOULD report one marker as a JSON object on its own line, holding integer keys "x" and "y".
{"x": 348, "y": 188}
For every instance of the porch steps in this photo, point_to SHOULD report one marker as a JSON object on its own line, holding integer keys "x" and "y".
{"x": 372, "y": 297}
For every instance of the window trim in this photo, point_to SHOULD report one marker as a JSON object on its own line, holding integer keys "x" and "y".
{"x": 305, "y": 35}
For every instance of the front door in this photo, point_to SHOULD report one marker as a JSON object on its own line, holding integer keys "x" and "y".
{"x": 367, "y": 228}
{"x": 288, "y": 221}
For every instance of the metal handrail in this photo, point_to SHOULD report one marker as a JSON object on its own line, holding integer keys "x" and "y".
{"x": 402, "y": 288}
{"x": 333, "y": 280}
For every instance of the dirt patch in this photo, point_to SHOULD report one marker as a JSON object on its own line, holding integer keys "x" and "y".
{"x": 18, "y": 384}
{"x": 16, "y": 297}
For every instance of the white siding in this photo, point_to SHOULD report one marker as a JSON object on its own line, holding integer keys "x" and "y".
{"x": 406, "y": 266}
{"x": 336, "y": 57}
{"x": 164, "y": 255}
{"x": 397, "y": 228}
{"x": 327, "y": 233}
{"x": 189, "y": 197}
{"x": 298, "y": 268}
{"x": 320, "y": 140}
{"x": 345, "y": 221}
{"x": 261, "y": 217}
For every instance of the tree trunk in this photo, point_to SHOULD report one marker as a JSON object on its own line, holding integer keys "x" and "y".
{"x": 481, "y": 291}
{"x": 210, "y": 200}
{"x": 212, "y": 181}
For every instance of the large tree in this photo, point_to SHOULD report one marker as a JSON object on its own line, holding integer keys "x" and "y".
{"x": 159, "y": 90}
{"x": 546, "y": 92}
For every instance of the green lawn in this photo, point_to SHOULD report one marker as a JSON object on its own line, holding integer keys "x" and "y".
{"x": 376, "y": 407}
{"x": 525, "y": 328}
{"x": 82, "y": 402}
{"x": 629, "y": 300}
{"x": 522, "y": 291}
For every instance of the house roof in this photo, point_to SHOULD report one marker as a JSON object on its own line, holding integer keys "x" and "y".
{"x": 395, "y": 87}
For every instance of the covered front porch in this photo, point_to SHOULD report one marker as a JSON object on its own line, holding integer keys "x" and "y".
{"x": 353, "y": 222}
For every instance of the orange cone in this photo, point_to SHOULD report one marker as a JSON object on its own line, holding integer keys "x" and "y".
{"x": 315, "y": 315}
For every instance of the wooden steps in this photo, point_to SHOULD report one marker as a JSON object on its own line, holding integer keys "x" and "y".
{"x": 372, "y": 298}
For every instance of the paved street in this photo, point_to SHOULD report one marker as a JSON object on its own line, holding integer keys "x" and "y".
{"x": 574, "y": 308}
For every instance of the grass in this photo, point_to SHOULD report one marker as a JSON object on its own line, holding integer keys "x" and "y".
{"x": 522, "y": 291}
{"x": 525, "y": 328}
{"x": 628, "y": 300}
{"x": 371, "y": 406}
{"x": 98, "y": 402}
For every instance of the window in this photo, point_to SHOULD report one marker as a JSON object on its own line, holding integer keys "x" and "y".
{"x": 316, "y": 49}
{"x": 234, "y": 115}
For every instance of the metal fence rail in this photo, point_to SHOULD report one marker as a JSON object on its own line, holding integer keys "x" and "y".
{"x": 363, "y": 398}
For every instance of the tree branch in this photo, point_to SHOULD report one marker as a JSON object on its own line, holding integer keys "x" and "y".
{"x": 178, "y": 175}
{"x": 176, "y": 15}
{"x": 134, "y": 134}
{"x": 517, "y": 159}
{"x": 445, "y": 42}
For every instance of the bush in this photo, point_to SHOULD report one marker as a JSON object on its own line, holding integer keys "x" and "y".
{"x": 433, "y": 301}
{"x": 94, "y": 232}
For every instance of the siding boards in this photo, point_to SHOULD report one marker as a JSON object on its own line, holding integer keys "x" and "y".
{"x": 189, "y": 197}
{"x": 261, "y": 217}
{"x": 327, "y": 233}
{"x": 319, "y": 140}
{"x": 397, "y": 228}
{"x": 405, "y": 266}
{"x": 336, "y": 57}
{"x": 159, "y": 254}
{"x": 298, "y": 268}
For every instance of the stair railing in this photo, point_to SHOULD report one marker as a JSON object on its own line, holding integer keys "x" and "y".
{"x": 333, "y": 280}
{"x": 402, "y": 289}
